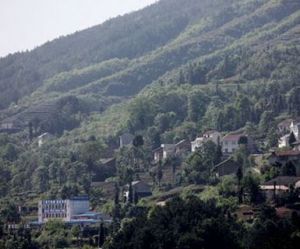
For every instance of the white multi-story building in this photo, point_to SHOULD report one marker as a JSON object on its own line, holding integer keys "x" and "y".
{"x": 62, "y": 209}
{"x": 230, "y": 143}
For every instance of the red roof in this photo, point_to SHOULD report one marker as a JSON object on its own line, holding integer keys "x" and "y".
{"x": 232, "y": 137}
{"x": 288, "y": 153}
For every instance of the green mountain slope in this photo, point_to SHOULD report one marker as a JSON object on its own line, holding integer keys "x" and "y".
{"x": 167, "y": 72}
{"x": 149, "y": 29}
{"x": 210, "y": 31}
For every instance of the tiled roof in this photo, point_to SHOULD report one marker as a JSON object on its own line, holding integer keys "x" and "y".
{"x": 159, "y": 149}
{"x": 282, "y": 180}
{"x": 297, "y": 142}
{"x": 181, "y": 142}
{"x": 233, "y": 137}
{"x": 107, "y": 160}
{"x": 288, "y": 153}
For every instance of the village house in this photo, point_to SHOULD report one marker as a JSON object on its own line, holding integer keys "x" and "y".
{"x": 163, "y": 152}
{"x": 279, "y": 186}
{"x": 182, "y": 147}
{"x": 169, "y": 150}
{"x": 280, "y": 158}
{"x": 284, "y": 126}
{"x": 11, "y": 125}
{"x": 212, "y": 135}
{"x": 284, "y": 141}
{"x": 158, "y": 154}
{"x": 227, "y": 167}
{"x": 140, "y": 190}
{"x": 126, "y": 139}
{"x": 44, "y": 138}
{"x": 296, "y": 145}
{"x": 287, "y": 128}
{"x": 295, "y": 128}
{"x": 230, "y": 143}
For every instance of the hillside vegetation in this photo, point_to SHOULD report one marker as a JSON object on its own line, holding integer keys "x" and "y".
{"x": 167, "y": 72}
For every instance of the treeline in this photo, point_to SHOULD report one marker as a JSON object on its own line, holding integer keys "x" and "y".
{"x": 171, "y": 114}
{"x": 192, "y": 223}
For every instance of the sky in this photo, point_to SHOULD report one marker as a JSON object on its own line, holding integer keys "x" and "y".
{"x": 25, "y": 24}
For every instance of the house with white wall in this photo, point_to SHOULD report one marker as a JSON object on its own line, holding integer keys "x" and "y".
{"x": 212, "y": 135}
{"x": 230, "y": 143}
{"x": 44, "y": 138}
{"x": 283, "y": 141}
{"x": 295, "y": 128}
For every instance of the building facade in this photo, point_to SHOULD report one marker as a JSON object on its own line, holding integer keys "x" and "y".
{"x": 168, "y": 150}
{"x": 62, "y": 209}
{"x": 284, "y": 141}
{"x": 140, "y": 190}
{"x": 230, "y": 143}
{"x": 44, "y": 138}
{"x": 295, "y": 128}
{"x": 126, "y": 140}
{"x": 213, "y": 136}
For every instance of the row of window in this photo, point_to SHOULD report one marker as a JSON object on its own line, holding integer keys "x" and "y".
{"x": 56, "y": 215}
{"x": 226, "y": 150}
{"x": 54, "y": 211}
{"x": 55, "y": 206}
{"x": 232, "y": 142}
{"x": 54, "y": 201}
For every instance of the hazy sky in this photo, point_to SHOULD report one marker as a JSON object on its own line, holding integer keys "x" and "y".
{"x": 25, "y": 24}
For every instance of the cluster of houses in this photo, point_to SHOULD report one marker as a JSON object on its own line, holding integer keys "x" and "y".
{"x": 77, "y": 210}
{"x": 229, "y": 144}
{"x": 290, "y": 131}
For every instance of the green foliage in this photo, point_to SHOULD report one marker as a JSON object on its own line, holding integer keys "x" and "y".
{"x": 54, "y": 235}
{"x": 188, "y": 80}
{"x": 250, "y": 185}
{"x": 200, "y": 163}
{"x": 181, "y": 223}
{"x": 185, "y": 68}
{"x": 9, "y": 213}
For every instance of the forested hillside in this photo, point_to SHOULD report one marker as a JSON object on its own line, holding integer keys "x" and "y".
{"x": 185, "y": 67}
{"x": 150, "y": 29}
{"x": 165, "y": 74}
